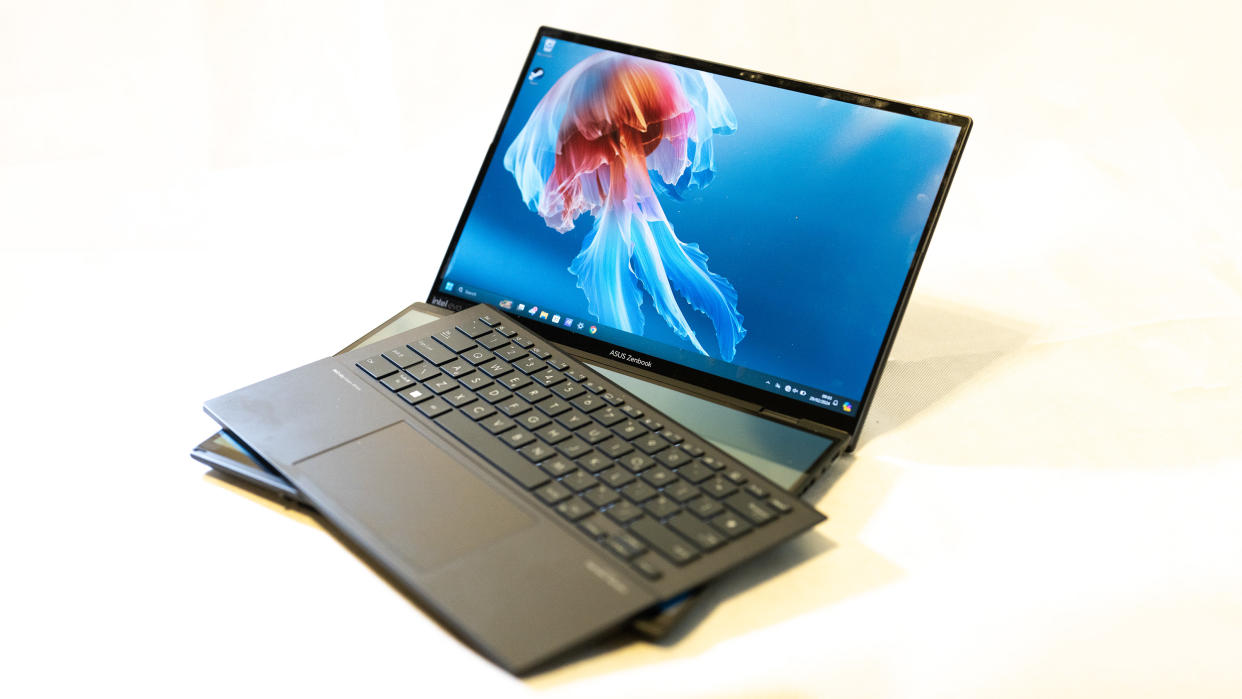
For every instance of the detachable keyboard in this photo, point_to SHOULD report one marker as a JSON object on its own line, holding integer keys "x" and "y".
{"x": 647, "y": 490}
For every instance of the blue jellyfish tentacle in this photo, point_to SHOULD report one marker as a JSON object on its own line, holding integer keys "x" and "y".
{"x": 603, "y": 272}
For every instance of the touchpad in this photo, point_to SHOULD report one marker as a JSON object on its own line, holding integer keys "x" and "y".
{"x": 417, "y": 499}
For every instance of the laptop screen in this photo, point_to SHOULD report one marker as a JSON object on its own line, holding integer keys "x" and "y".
{"x": 701, "y": 221}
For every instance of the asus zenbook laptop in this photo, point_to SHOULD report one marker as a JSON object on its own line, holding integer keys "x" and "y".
{"x": 644, "y": 225}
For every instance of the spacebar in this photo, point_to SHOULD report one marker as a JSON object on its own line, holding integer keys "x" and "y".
{"x": 500, "y": 456}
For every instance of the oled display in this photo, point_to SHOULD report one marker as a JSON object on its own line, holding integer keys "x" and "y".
{"x": 758, "y": 234}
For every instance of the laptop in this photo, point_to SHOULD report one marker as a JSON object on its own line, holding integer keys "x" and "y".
{"x": 739, "y": 238}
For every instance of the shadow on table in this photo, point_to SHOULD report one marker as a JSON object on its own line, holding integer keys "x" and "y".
{"x": 941, "y": 346}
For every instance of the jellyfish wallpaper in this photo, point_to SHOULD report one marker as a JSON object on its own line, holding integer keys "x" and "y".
{"x": 758, "y": 234}
{"x": 609, "y": 134}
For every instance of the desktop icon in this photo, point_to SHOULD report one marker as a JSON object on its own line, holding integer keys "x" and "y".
{"x": 448, "y": 286}
{"x": 556, "y": 318}
{"x": 593, "y": 329}
{"x": 569, "y": 322}
{"x": 533, "y": 310}
{"x": 521, "y": 306}
{"x": 847, "y": 407}
{"x": 543, "y": 315}
{"x": 581, "y": 325}
{"x": 506, "y": 304}
{"x": 548, "y": 45}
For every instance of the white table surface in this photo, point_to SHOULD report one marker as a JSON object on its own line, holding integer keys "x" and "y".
{"x": 1047, "y": 500}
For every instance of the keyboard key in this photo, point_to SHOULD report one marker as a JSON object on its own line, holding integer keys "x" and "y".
{"x": 650, "y": 443}
{"x": 415, "y": 395}
{"x": 540, "y": 352}
{"x": 735, "y": 474}
{"x": 475, "y": 328}
{"x": 731, "y": 524}
{"x": 534, "y": 393}
{"x": 440, "y": 384}
{"x": 672, "y": 437}
{"x": 548, "y": 378}
{"x": 594, "y": 461}
{"x": 661, "y": 507}
{"x": 496, "y": 367}
{"x": 402, "y": 357}
{"x": 495, "y": 394}
{"x": 475, "y": 381}
{"x": 520, "y": 341}
{"x": 609, "y": 415}
{"x": 705, "y": 507}
{"x": 536, "y": 451}
{"x": 423, "y": 371}
{"x": 489, "y": 319}
{"x": 652, "y": 424}
{"x": 646, "y": 568}
{"x": 457, "y": 368}
{"x": 594, "y": 433}
{"x": 659, "y": 476}
{"x": 573, "y": 447}
{"x": 432, "y": 351}
{"x": 780, "y": 505}
{"x": 681, "y": 491}
{"x": 703, "y": 536}
{"x": 673, "y": 457}
{"x": 511, "y": 353}
{"x": 750, "y": 508}
{"x": 624, "y": 545}
{"x": 574, "y": 509}
{"x": 695, "y": 472}
{"x": 492, "y": 341}
{"x": 573, "y": 419}
{"x": 568, "y": 389}
{"x": 575, "y": 375}
{"x": 615, "y": 447}
{"x": 639, "y": 492}
{"x": 632, "y": 411}
{"x": 718, "y": 487}
{"x": 630, "y": 429}
{"x": 557, "y": 466}
{"x": 553, "y": 433}
{"x": 397, "y": 381}
{"x": 611, "y": 398}
{"x": 517, "y": 437}
{"x": 434, "y": 407}
{"x": 478, "y": 410}
{"x": 617, "y": 477}
{"x": 624, "y": 512}
{"x": 533, "y": 420}
{"x": 579, "y": 481}
{"x": 553, "y": 406}
{"x": 756, "y": 490}
{"x": 553, "y": 493}
{"x": 499, "y": 455}
{"x": 377, "y": 367}
{"x": 459, "y": 397}
{"x": 455, "y": 340}
{"x": 668, "y": 544}
{"x": 591, "y": 526}
{"x": 557, "y": 364}
{"x": 692, "y": 449}
{"x": 513, "y": 406}
{"x": 637, "y": 462}
{"x": 587, "y": 403}
{"x": 602, "y": 495}
{"x": 593, "y": 386}
{"x": 530, "y": 365}
{"x": 504, "y": 330}
{"x": 514, "y": 381}
{"x": 497, "y": 424}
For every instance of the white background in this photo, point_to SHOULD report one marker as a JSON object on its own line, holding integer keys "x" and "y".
{"x": 1046, "y": 501}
